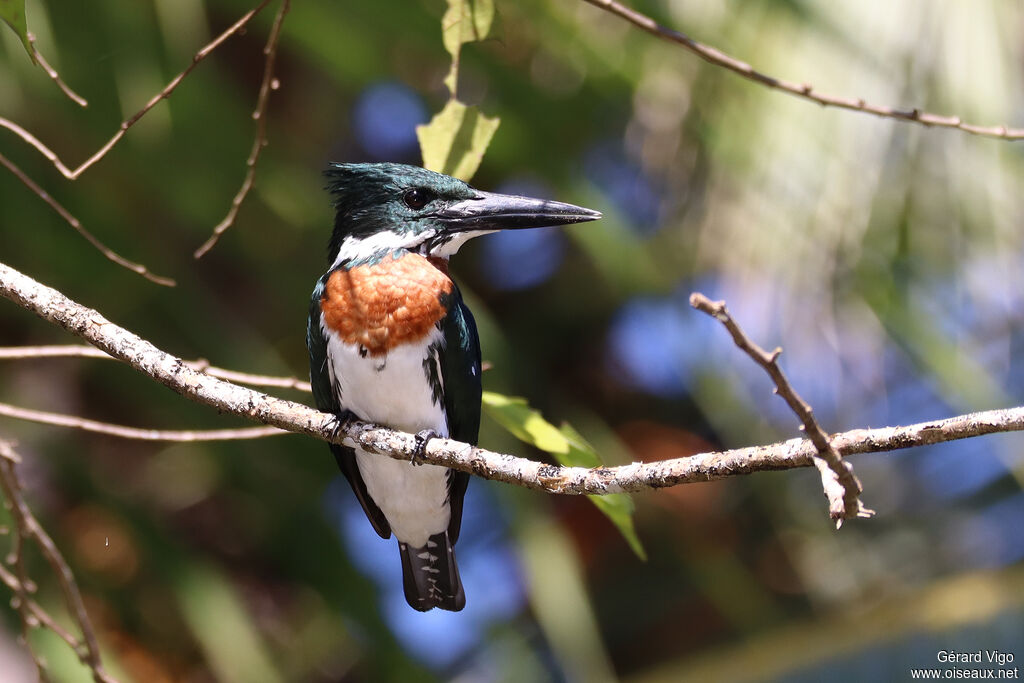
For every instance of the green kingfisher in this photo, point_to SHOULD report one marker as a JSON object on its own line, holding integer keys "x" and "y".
{"x": 391, "y": 342}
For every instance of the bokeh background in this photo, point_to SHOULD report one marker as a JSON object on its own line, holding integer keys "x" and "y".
{"x": 885, "y": 258}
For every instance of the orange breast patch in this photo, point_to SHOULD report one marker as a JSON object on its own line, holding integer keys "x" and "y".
{"x": 386, "y": 304}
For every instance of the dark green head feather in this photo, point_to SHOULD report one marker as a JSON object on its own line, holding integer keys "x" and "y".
{"x": 370, "y": 198}
{"x": 387, "y": 208}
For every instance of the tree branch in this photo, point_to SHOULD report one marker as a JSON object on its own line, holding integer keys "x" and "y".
{"x": 52, "y": 73}
{"x": 77, "y": 225}
{"x": 124, "y": 432}
{"x": 841, "y": 486}
{"x": 132, "y": 120}
{"x": 27, "y": 528}
{"x": 88, "y": 324}
{"x": 803, "y": 90}
{"x": 201, "y": 365}
{"x": 268, "y": 83}
{"x": 33, "y": 141}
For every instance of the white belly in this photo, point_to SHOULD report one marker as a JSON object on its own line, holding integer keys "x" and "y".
{"x": 393, "y": 390}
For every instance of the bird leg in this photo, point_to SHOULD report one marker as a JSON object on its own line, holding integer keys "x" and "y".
{"x": 422, "y": 439}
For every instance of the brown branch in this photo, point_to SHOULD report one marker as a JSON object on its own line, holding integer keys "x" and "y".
{"x": 202, "y": 365}
{"x": 118, "y": 342}
{"x": 41, "y": 615}
{"x": 11, "y": 487}
{"x": 124, "y": 432}
{"x": 842, "y": 488}
{"x": 269, "y": 82}
{"x": 803, "y": 90}
{"x": 76, "y": 224}
{"x": 129, "y": 122}
{"x": 52, "y": 73}
{"x": 28, "y": 528}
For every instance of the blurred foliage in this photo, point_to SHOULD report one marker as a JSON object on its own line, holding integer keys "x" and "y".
{"x": 13, "y": 14}
{"x": 568, "y": 448}
{"x": 886, "y": 258}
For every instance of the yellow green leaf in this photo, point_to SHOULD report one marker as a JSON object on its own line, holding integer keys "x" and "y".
{"x": 464, "y": 22}
{"x": 525, "y": 423}
{"x": 617, "y": 507}
{"x": 13, "y": 14}
{"x": 455, "y": 140}
{"x": 569, "y": 449}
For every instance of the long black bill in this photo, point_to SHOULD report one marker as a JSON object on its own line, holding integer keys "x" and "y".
{"x": 489, "y": 211}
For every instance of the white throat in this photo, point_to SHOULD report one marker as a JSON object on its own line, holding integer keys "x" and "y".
{"x": 360, "y": 248}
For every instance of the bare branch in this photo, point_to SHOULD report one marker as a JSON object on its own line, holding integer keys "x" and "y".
{"x": 129, "y": 122}
{"x": 124, "y": 432}
{"x": 803, "y": 90}
{"x": 28, "y": 528}
{"x": 53, "y": 351}
{"x": 118, "y": 342}
{"x": 842, "y": 488}
{"x": 74, "y": 223}
{"x": 36, "y": 609}
{"x": 202, "y": 365}
{"x": 270, "y": 82}
{"x": 52, "y": 73}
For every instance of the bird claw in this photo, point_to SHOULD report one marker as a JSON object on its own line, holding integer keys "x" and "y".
{"x": 341, "y": 421}
{"x": 422, "y": 439}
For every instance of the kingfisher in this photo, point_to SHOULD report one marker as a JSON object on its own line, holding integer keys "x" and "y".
{"x": 391, "y": 342}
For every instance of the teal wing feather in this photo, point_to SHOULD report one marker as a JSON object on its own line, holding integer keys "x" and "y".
{"x": 327, "y": 400}
{"x": 316, "y": 342}
{"x": 460, "y": 370}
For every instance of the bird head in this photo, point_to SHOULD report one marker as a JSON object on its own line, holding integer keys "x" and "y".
{"x": 385, "y": 207}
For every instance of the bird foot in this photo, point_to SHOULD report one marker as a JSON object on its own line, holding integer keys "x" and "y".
{"x": 422, "y": 439}
{"x": 341, "y": 421}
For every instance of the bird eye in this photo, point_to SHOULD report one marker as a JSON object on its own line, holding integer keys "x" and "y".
{"x": 417, "y": 198}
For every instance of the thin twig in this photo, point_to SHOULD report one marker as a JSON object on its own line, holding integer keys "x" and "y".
{"x": 52, "y": 73}
{"x": 803, "y": 90}
{"x": 842, "y": 488}
{"x": 269, "y": 82}
{"x": 36, "y": 609}
{"x": 129, "y": 122}
{"x": 16, "y": 557}
{"x": 201, "y": 365}
{"x": 118, "y": 342}
{"x": 28, "y": 528}
{"x": 125, "y": 432}
{"x": 77, "y": 225}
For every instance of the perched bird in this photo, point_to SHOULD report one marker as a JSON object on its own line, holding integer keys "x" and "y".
{"x": 391, "y": 342}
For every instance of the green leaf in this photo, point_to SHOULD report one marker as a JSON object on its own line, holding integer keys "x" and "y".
{"x": 455, "y": 140}
{"x": 569, "y": 449}
{"x": 13, "y": 14}
{"x": 525, "y": 423}
{"x": 464, "y": 22}
{"x": 618, "y": 507}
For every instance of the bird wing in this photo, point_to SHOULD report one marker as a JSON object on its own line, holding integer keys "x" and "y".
{"x": 320, "y": 377}
{"x": 460, "y": 371}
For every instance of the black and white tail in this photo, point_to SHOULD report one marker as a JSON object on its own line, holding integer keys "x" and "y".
{"x": 430, "y": 575}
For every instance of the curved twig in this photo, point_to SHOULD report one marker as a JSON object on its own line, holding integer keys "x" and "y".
{"x": 132, "y": 120}
{"x": 268, "y": 83}
{"x": 124, "y": 432}
{"x": 842, "y": 488}
{"x": 77, "y": 225}
{"x": 202, "y": 365}
{"x": 28, "y": 528}
{"x": 803, "y": 90}
{"x": 52, "y": 73}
